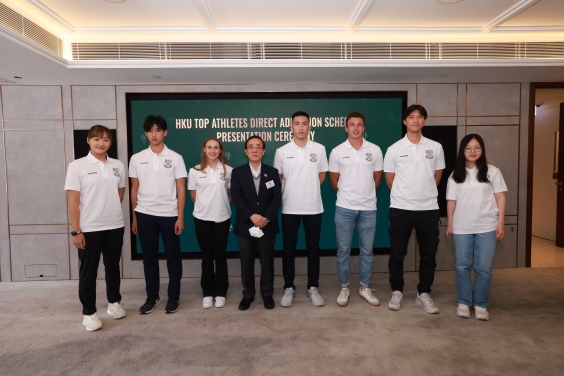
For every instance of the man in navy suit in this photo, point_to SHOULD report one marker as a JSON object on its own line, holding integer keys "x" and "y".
{"x": 257, "y": 195}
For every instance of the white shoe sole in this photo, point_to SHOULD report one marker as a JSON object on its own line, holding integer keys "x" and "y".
{"x": 90, "y": 329}
{"x": 156, "y": 304}
{"x": 425, "y": 308}
{"x": 315, "y": 305}
{"x": 463, "y": 315}
{"x": 114, "y": 316}
{"x": 368, "y": 301}
{"x": 287, "y": 306}
{"x": 482, "y": 318}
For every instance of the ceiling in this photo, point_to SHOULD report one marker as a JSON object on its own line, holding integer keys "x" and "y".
{"x": 297, "y": 20}
{"x": 289, "y": 21}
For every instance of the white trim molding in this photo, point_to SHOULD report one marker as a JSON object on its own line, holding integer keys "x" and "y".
{"x": 206, "y": 14}
{"x": 282, "y": 29}
{"x": 359, "y": 14}
{"x": 49, "y": 13}
{"x": 416, "y": 30}
{"x": 140, "y": 30}
{"x": 508, "y": 14}
{"x": 529, "y": 29}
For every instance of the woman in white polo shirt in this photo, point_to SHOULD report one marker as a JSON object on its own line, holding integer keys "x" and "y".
{"x": 95, "y": 186}
{"x": 209, "y": 184}
{"x": 476, "y": 211}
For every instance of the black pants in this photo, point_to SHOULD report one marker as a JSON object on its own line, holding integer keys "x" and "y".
{"x": 149, "y": 227}
{"x": 212, "y": 239}
{"x": 109, "y": 244}
{"x": 249, "y": 249}
{"x": 426, "y": 224}
{"x": 290, "y": 227}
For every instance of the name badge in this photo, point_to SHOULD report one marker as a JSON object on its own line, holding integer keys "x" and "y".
{"x": 270, "y": 184}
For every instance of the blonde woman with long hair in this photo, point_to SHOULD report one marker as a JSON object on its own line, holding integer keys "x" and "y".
{"x": 209, "y": 184}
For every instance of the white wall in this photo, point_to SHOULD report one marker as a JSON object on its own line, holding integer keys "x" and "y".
{"x": 544, "y": 188}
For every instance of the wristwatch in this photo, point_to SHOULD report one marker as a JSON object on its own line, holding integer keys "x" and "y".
{"x": 75, "y": 233}
{"x": 267, "y": 220}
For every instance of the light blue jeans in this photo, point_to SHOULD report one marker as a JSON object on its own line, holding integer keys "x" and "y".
{"x": 481, "y": 247}
{"x": 345, "y": 222}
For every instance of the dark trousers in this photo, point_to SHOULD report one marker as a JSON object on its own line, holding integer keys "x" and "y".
{"x": 149, "y": 227}
{"x": 212, "y": 239}
{"x": 108, "y": 243}
{"x": 290, "y": 227}
{"x": 249, "y": 249}
{"x": 426, "y": 224}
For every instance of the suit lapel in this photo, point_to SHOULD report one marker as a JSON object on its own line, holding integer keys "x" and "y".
{"x": 249, "y": 178}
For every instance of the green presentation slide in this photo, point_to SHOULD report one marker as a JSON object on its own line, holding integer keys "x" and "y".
{"x": 233, "y": 117}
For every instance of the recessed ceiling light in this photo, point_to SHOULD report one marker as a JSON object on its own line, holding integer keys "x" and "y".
{"x": 447, "y": 2}
{"x": 443, "y": 75}
{"x": 155, "y": 76}
{"x": 115, "y": 1}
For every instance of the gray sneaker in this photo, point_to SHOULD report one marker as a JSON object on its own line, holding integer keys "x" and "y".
{"x": 425, "y": 301}
{"x": 288, "y": 298}
{"x": 396, "y": 301}
{"x": 316, "y": 299}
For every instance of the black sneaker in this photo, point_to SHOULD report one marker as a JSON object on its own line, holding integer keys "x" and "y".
{"x": 150, "y": 304}
{"x": 171, "y": 305}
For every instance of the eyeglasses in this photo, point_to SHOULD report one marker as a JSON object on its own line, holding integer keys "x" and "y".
{"x": 469, "y": 149}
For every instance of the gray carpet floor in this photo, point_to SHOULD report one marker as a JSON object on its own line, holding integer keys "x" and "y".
{"x": 41, "y": 331}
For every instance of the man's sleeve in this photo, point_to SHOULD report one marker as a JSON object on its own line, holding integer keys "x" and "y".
{"x": 379, "y": 161}
{"x": 180, "y": 169}
{"x": 390, "y": 161}
{"x": 323, "y": 165}
{"x": 279, "y": 162}
{"x": 440, "y": 162}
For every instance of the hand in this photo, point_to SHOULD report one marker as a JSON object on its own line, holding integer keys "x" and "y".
{"x": 448, "y": 231}
{"x": 179, "y": 226}
{"x": 134, "y": 227}
{"x": 500, "y": 231}
{"x": 79, "y": 241}
{"x": 259, "y": 220}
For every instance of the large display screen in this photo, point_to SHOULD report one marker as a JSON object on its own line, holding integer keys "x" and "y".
{"x": 233, "y": 117}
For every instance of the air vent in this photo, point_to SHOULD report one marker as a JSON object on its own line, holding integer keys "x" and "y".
{"x": 29, "y": 30}
{"x": 323, "y": 51}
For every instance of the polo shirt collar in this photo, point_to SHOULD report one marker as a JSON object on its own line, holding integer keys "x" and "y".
{"x": 93, "y": 159}
{"x": 294, "y": 146}
{"x": 151, "y": 152}
{"x": 219, "y": 164}
{"x": 406, "y": 141}
{"x": 349, "y": 146}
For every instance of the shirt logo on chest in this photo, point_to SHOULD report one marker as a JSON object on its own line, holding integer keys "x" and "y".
{"x": 116, "y": 172}
{"x": 313, "y": 157}
{"x": 222, "y": 175}
{"x": 369, "y": 157}
{"x": 429, "y": 154}
{"x": 168, "y": 163}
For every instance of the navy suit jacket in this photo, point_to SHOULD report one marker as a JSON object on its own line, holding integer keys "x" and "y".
{"x": 266, "y": 203}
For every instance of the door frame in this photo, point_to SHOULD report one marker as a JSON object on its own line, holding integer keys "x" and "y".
{"x": 530, "y": 159}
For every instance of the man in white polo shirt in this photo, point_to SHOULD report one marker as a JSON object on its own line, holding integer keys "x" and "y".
{"x": 302, "y": 165}
{"x": 157, "y": 198}
{"x": 355, "y": 173}
{"x": 413, "y": 167}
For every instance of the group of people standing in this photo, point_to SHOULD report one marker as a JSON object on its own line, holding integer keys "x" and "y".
{"x": 412, "y": 167}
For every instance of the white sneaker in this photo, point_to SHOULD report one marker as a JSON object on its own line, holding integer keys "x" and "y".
{"x": 396, "y": 301}
{"x": 316, "y": 299}
{"x": 116, "y": 310}
{"x": 208, "y": 302}
{"x": 425, "y": 301}
{"x": 481, "y": 313}
{"x": 219, "y": 302}
{"x": 343, "y": 298}
{"x": 367, "y": 294}
{"x": 288, "y": 298}
{"x": 463, "y": 311}
{"x": 92, "y": 322}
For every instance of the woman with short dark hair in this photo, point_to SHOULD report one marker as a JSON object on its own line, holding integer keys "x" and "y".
{"x": 95, "y": 186}
{"x": 476, "y": 211}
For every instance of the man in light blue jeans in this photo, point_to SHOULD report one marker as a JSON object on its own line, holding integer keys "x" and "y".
{"x": 355, "y": 173}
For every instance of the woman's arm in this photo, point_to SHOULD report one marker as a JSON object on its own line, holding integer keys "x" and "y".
{"x": 451, "y": 206}
{"x": 74, "y": 212}
{"x": 500, "y": 229}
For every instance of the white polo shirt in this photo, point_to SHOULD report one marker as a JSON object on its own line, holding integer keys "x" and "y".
{"x": 98, "y": 183}
{"x": 212, "y": 198}
{"x": 301, "y": 192}
{"x": 356, "y": 174}
{"x": 414, "y": 185}
{"x": 157, "y": 174}
{"x": 476, "y": 209}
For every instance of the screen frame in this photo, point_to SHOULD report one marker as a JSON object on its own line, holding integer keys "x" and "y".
{"x": 399, "y": 94}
